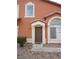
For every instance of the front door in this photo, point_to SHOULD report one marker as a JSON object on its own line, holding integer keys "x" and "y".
{"x": 38, "y": 35}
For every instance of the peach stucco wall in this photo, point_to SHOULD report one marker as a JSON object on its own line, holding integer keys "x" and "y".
{"x": 41, "y": 9}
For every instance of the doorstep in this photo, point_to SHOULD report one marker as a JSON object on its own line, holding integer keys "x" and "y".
{"x": 37, "y": 45}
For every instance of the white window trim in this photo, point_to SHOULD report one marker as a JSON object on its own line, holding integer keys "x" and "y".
{"x": 29, "y": 3}
{"x": 52, "y": 40}
{"x": 18, "y": 11}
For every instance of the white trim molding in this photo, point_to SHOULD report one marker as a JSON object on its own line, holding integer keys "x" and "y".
{"x": 29, "y": 3}
{"x": 43, "y": 31}
{"x": 18, "y": 11}
{"x": 52, "y": 40}
{"x": 29, "y": 40}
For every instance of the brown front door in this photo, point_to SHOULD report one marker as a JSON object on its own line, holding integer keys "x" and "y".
{"x": 38, "y": 35}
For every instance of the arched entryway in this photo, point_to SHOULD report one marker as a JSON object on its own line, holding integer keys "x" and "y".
{"x": 38, "y": 33}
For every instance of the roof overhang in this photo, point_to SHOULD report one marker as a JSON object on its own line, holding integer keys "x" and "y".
{"x": 50, "y": 14}
{"x": 52, "y": 2}
{"x": 38, "y": 23}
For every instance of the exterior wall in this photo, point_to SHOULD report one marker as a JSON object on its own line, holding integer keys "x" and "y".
{"x": 42, "y": 6}
{"x": 41, "y": 9}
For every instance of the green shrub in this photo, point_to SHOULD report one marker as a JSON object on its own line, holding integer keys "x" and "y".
{"x": 21, "y": 41}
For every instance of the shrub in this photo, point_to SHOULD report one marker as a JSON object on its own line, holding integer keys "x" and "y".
{"x": 21, "y": 41}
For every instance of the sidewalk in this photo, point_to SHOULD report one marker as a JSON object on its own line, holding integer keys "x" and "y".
{"x": 26, "y": 53}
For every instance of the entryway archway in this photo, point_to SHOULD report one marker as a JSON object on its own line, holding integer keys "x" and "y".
{"x": 38, "y": 33}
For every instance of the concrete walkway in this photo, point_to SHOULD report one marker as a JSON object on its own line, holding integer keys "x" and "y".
{"x": 46, "y": 49}
{"x": 26, "y": 53}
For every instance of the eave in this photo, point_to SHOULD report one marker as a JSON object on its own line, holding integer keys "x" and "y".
{"x": 52, "y": 2}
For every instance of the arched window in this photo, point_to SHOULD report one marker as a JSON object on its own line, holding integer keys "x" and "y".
{"x": 29, "y": 9}
{"x": 54, "y": 29}
{"x": 55, "y": 22}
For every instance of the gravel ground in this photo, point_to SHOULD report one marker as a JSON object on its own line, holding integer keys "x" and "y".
{"x": 26, "y": 53}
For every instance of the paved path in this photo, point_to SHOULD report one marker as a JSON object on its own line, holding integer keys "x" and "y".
{"x": 26, "y": 53}
{"x": 46, "y": 49}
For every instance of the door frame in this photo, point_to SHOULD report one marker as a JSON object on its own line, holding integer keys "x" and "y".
{"x": 43, "y": 31}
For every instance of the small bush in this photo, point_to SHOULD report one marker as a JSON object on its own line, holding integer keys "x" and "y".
{"x": 21, "y": 41}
